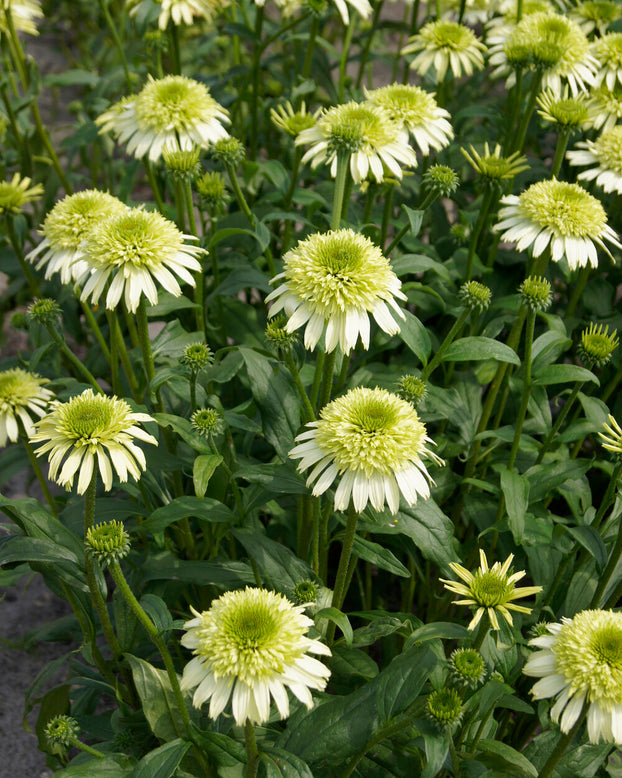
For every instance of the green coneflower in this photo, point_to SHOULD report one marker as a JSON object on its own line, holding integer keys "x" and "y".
{"x": 132, "y": 250}
{"x": 207, "y": 422}
{"x": 612, "y": 441}
{"x": 376, "y": 442}
{"x": 494, "y": 167}
{"x": 444, "y": 707}
{"x": 535, "y": 292}
{"x": 559, "y": 214}
{"x": 579, "y": 662}
{"x": 491, "y": 590}
{"x": 565, "y": 111}
{"x": 593, "y": 15}
{"x": 467, "y": 667}
{"x": 412, "y": 389}
{"x": 441, "y": 179}
{"x": 174, "y": 111}
{"x": 332, "y": 282}
{"x": 605, "y": 154}
{"x": 606, "y": 105}
{"x": 17, "y": 193}
{"x": 446, "y": 45}
{"x": 22, "y": 396}
{"x": 251, "y": 646}
{"x": 608, "y": 52}
{"x": 183, "y": 11}
{"x": 107, "y": 542}
{"x": 417, "y": 111}
{"x": 23, "y": 15}
{"x": 475, "y": 296}
{"x": 367, "y": 133}
{"x": 293, "y": 122}
{"x": 597, "y": 345}
{"x": 64, "y": 230}
{"x": 92, "y": 430}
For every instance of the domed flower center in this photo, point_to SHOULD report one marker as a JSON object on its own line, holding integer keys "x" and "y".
{"x": 451, "y": 35}
{"x": 608, "y": 149}
{"x": 173, "y": 102}
{"x": 68, "y": 222}
{"x": 566, "y": 208}
{"x": 86, "y": 419}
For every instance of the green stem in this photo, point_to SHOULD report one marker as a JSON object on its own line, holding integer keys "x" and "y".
{"x": 559, "y": 421}
{"x": 152, "y": 631}
{"x": 479, "y": 225}
{"x": 96, "y": 595}
{"x": 306, "y": 67}
{"x": 199, "y": 277}
{"x": 481, "y": 633}
{"x": 317, "y": 378}
{"x": 257, "y": 49}
{"x": 175, "y": 52}
{"x": 603, "y": 581}
{"x": 327, "y": 380}
{"x": 252, "y": 754}
{"x": 577, "y": 291}
{"x": 343, "y": 62}
{"x": 143, "y": 337}
{"x": 116, "y": 338}
{"x": 609, "y": 494}
{"x": 117, "y": 41}
{"x": 560, "y": 150}
{"x": 438, "y": 357}
{"x": 368, "y": 42}
{"x": 343, "y": 166}
{"x": 561, "y": 747}
{"x": 531, "y": 103}
{"x": 239, "y": 196}
{"x": 398, "y": 237}
{"x": 72, "y": 358}
{"x": 454, "y": 756}
{"x": 154, "y": 185}
{"x": 31, "y": 279}
{"x": 291, "y": 366}
{"x": 339, "y": 591}
{"x": 95, "y": 329}
{"x": 387, "y": 212}
{"x": 522, "y": 412}
{"x": 73, "y": 741}
{"x": 34, "y": 463}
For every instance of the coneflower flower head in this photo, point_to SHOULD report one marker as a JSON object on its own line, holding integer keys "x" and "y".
{"x": 559, "y": 214}
{"x": 107, "y": 542}
{"x": 184, "y": 11}
{"x": 564, "y": 111}
{"x": 467, "y": 667}
{"x": 64, "y": 230}
{"x": 444, "y": 707}
{"x": 597, "y": 345}
{"x": 366, "y": 133}
{"x": 174, "y": 111}
{"x": 293, "y": 122}
{"x": 441, "y": 179}
{"x": 579, "y": 662}
{"x": 24, "y": 14}
{"x": 593, "y": 15}
{"x": 417, "y": 111}
{"x": 17, "y": 193}
{"x": 612, "y": 440}
{"x": 445, "y": 45}
{"x": 92, "y": 430}
{"x": 492, "y": 166}
{"x": 251, "y": 646}
{"x": 22, "y": 397}
{"x": 606, "y": 106}
{"x": 608, "y": 52}
{"x": 61, "y": 730}
{"x": 535, "y": 292}
{"x": 375, "y": 442}
{"x": 132, "y": 250}
{"x": 605, "y": 156}
{"x": 331, "y": 283}
{"x": 490, "y": 590}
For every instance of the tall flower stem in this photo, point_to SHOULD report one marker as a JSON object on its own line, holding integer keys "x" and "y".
{"x": 199, "y": 277}
{"x": 306, "y": 67}
{"x": 343, "y": 162}
{"x": 522, "y": 412}
{"x": 31, "y": 279}
{"x": 327, "y": 378}
{"x": 477, "y": 229}
{"x": 559, "y": 421}
{"x": 96, "y": 595}
{"x": 368, "y": 42}
{"x": 291, "y": 366}
{"x": 343, "y": 62}
{"x": 317, "y": 378}
{"x": 72, "y": 358}
{"x": 577, "y": 291}
{"x": 560, "y": 150}
{"x": 257, "y": 49}
{"x": 561, "y": 747}
{"x": 145, "y": 346}
{"x": 95, "y": 329}
{"x": 387, "y": 212}
{"x": 73, "y": 741}
{"x": 117, "y": 41}
{"x": 36, "y": 467}
{"x": 438, "y": 357}
{"x": 519, "y": 141}
{"x": 603, "y": 581}
{"x": 154, "y": 186}
{"x": 117, "y": 339}
{"x": 339, "y": 591}
{"x": 252, "y": 754}
{"x": 414, "y": 21}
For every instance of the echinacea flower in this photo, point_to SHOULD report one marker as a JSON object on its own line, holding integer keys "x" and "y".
{"x": 579, "y": 662}
{"x": 593, "y": 15}
{"x": 608, "y": 52}
{"x": 492, "y": 166}
{"x": 174, "y": 111}
{"x": 362, "y": 7}
{"x": 566, "y": 112}
{"x": 250, "y": 647}
{"x": 22, "y": 396}
{"x": 366, "y": 133}
{"x": 184, "y": 11}
{"x": 606, "y": 106}
{"x": 23, "y": 15}
{"x": 293, "y": 122}
{"x": 375, "y": 442}
{"x": 65, "y": 228}
{"x": 445, "y": 45}
{"x": 605, "y": 156}
{"x": 612, "y": 441}
{"x": 491, "y": 590}
{"x": 560, "y": 215}
{"x": 133, "y": 250}
{"x": 92, "y": 430}
{"x": 418, "y": 111}
{"x": 551, "y": 44}
{"x": 332, "y": 282}
{"x": 17, "y": 193}
{"x": 597, "y": 345}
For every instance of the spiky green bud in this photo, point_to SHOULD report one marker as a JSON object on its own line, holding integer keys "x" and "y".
{"x": 107, "y": 542}
{"x": 475, "y": 296}
{"x": 535, "y": 292}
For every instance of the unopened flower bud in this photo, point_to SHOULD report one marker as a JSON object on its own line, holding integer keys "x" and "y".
{"x": 228, "y": 151}
{"x": 107, "y": 542}
{"x": 475, "y": 296}
{"x": 444, "y": 707}
{"x": 412, "y": 389}
{"x": 535, "y": 292}
{"x": 62, "y": 730}
{"x": 597, "y": 345}
{"x": 44, "y": 311}
{"x": 207, "y": 422}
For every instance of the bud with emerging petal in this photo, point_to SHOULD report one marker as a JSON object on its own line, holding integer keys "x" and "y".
{"x": 444, "y": 707}
{"x": 107, "y": 542}
{"x": 475, "y": 296}
{"x": 412, "y": 389}
{"x": 228, "y": 151}
{"x": 45, "y": 311}
{"x": 535, "y": 292}
{"x": 597, "y": 345}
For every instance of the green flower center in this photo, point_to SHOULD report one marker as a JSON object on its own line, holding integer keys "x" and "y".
{"x": 489, "y": 589}
{"x": 445, "y": 706}
{"x": 250, "y": 627}
{"x": 173, "y": 103}
{"x": 87, "y": 418}
{"x": 371, "y": 430}
{"x": 448, "y": 35}
{"x": 18, "y": 388}
{"x": 588, "y": 653}
{"x": 553, "y": 41}
{"x": 468, "y": 663}
{"x": 570, "y": 112}
{"x": 69, "y": 222}
{"x": 564, "y": 208}
{"x": 608, "y": 150}
{"x": 354, "y": 126}
{"x": 608, "y": 50}
{"x": 599, "y": 10}
{"x": 406, "y": 103}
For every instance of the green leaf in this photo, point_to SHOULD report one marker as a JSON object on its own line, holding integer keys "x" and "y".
{"x": 561, "y": 374}
{"x": 20, "y": 549}
{"x": 415, "y": 219}
{"x": 163, "y": 761}
{"x": 338, "y": 618}
{"x": 225, "y": 751}
{"x": 168, "y": 303}
{"x": 281, "y": 764}
{"x": 243, "y": 278}
{"x": 158, "y": 612}
{"x": 274, "y": 477}
{"x": 184, "y": 429}
{"x": 496, "y": 755}
{"x": 227, "y": 575}
{"x": 74, "y": 77}
{"x": 419, "y": 263}
{"x": 115, "y": 766}
{"x": 380, "y": 556}
{"x": 156, "y": 695}
{"x": 376, "y": 629}
{"x": 280, "y": 568}
{"x": 416, "y": 337}
{"x": 515, "y": 489}
{"x": 400, "y": 684}
{"x": 478, "y": 348}
{"x": 277, "y": 400}
{"x": 545, "y": 478}
{"x": 37, "y": 522}
{"x": 203, "y": 470}
{"x": 202, "y": 508}
{"x": 430, "y": 530}
{"x": 591, "y": 540}
{"x": 444, "y": 630}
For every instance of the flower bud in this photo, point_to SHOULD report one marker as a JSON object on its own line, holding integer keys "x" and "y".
{"x": 107, "y": 542}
